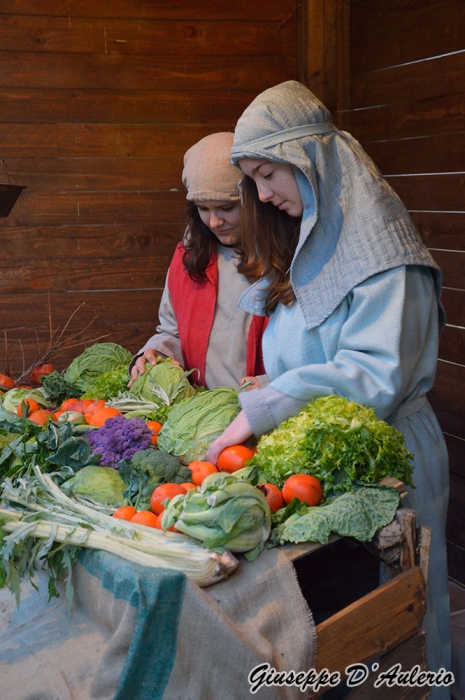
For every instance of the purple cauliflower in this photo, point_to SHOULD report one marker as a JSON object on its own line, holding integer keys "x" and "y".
{"x": 119, "y": 438}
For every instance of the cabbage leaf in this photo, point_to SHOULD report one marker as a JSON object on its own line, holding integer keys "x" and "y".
{"x": 95, "y": 360}
{"x": 359, "y": 513}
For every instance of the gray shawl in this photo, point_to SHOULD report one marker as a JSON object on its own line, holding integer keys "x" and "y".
{"x": 353, "y": 226}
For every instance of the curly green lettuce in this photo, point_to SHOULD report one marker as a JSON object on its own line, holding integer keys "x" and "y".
{"x": 339, "y": 442}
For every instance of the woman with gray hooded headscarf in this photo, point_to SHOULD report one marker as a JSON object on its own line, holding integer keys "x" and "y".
{"x": 353, "y": 299}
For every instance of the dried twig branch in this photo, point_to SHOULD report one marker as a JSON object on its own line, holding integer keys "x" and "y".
{"x": 7, "y": 357}
{"x": 57, "y": 345}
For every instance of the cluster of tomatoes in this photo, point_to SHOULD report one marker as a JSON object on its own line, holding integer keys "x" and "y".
{"x": 301, "y": 486}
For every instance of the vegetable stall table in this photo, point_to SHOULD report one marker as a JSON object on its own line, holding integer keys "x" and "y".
{"x": 137, "y": 633}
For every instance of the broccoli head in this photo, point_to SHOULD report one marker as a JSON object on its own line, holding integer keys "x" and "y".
{"x": 148, "y": 468}
{"x": 164, "y": 467}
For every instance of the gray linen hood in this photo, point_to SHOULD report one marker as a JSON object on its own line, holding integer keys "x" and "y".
{"x": 353, "y": 225}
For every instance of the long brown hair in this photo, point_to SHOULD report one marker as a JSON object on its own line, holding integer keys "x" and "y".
{"x": 200, "y": 244}
{"x": 269, "y": 238}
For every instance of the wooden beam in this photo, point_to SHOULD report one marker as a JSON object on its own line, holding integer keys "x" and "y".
{"x": 323, "y": 54}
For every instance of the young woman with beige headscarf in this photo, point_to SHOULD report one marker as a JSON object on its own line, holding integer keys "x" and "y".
{"x": 200, "y": 325}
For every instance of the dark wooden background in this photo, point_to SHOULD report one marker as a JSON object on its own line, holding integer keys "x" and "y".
{"x": 99, "y": 100}
{"x": 407, "y": 74}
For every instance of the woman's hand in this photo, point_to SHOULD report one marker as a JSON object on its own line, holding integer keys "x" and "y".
{"x": 139, "y": 365}
{"x": 255, "y": 384}
{"x": 235, "y": 434}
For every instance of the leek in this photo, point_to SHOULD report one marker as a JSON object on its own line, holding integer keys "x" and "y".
{"x": 38, "y": 514}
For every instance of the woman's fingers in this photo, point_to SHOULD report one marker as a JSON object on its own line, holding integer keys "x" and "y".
{"x": 139, "y": 365}
{"x": 253, "y": 383}
{"x": 235, "y": 434}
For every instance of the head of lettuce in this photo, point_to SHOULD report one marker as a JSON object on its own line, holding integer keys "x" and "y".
{"x": 193, "y": 424}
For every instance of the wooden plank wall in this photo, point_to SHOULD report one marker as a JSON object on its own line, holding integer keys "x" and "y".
{"x": 99, "y": 100}
{"x": 408, "y": 111}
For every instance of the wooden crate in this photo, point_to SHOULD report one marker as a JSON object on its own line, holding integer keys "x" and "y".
{"x": 384, "y": 625}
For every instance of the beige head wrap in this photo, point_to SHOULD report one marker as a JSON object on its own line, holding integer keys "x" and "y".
{"x": 208, "y": 174}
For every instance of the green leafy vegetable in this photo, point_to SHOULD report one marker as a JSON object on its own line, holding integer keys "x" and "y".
{"x": 58, "y": 389}
{"x": 108, "y": 384}
{"x": 225, "y": 512}
{"x": 337, "y": 441}
{"x": 101, "y": 484}
{"x": 165, "y": 381}
{"x": 95, "y": 360}
{"x": 195, "y": 423}
{"x": 358, "y": 513}
{"x": 145, "y": 470}
{"x": 140, "y": 408}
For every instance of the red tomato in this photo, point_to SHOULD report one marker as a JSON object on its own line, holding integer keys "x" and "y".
{"x": 200, "y": 470}
{"x": 39, "y": 371}
{"x": 234, "y": 457}
{"x": 163, "y": 492}
{"x": 273, "y": 496}
{"x": 6, "y": 382}
{"x": 304, "y": 487}
{"x": 125, "y": 513}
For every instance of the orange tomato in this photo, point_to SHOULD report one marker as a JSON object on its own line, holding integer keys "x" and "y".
{"x": 200, "y": 470}
{"x": 125, "y": 513}
{"x": 92, "y": 408}
{"x": 101, "y": 416}
{"x": 155, "y": 427}
{"x": 41, "y": 416}
{"x": 273, "y": 496}
{"x": 71, "y": 405}
{"x": 163, "y": 492}
{"x": 41, "y": 370}
{"x": 187, "y": 485}
{"x": 86, "y": 403}
{"x": 234, "y": 457}
{"x": 304, "y": 487}
{"x": 145, "y": 517}
{"x": 31, "y": 407}
{"x": 6, "y": 382}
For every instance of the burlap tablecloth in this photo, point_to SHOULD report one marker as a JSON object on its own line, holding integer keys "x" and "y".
{"x": 136, "y": 633}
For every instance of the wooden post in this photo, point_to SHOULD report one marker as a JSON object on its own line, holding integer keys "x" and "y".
{"x": 323, "y": 50}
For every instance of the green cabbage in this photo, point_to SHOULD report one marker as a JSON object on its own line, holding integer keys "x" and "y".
{"x": 94, "y": 361}
{"x": 164, "y": 381}
{"x": 101, "y": 484}
{"x": 337, "y": 441}
{"x": 195, "y": 423}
